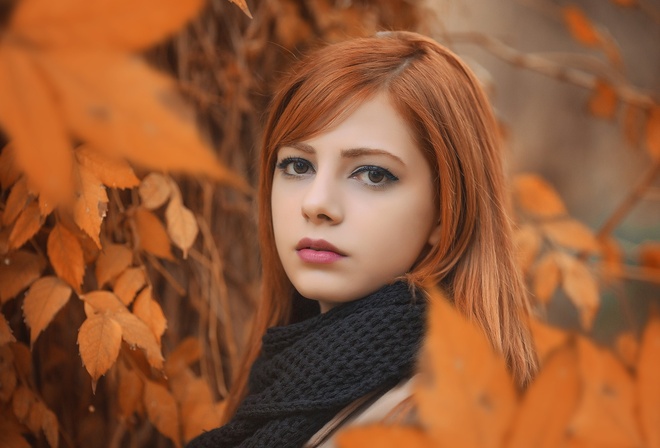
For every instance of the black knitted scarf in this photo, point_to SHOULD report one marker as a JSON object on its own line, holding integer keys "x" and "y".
{"x": 310, "y": 370}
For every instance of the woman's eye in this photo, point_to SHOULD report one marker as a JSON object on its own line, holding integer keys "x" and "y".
{"x": 299, "y": 167}
{"x": 294, "y": 166}
{"x": 374, "y": 176}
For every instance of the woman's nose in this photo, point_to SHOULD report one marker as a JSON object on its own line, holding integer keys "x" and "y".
{"x": 321, "y": 202}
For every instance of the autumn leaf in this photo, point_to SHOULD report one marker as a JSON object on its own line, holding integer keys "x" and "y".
{"x": 200, "y": 417}
{"x": 154, "y": 190}
{"x": 465, "y": 397}
{"x": 6, "y": 335}
{"x": 66, "y": 256}
{"x": 548, "y": 404}
{"x": 22, "y": 401}
{"x": 112, "y": 172}
{"x": 9, "y": 172}
{"x": 91, "y": 203}
{"x": 152, "y": 236}
{"x": 8, "y": 379}
{"x": 128, "y": 284}
{"x": 546, "y": 278}
{"x": 137, "y": 333}
{"x": 99, "y": 339}
{"x": 580, "y": 287}
{"x": 243, "y": 5}
{"x": 535, "y": 196}
{"x": 131, "y": 389}
{"x": 150, "y": 312}
{"x": 112, "y": 261}
{"x": 181, "y": 224}
{"x": 26, "y": 226}
{"x": 527, "y": 242}
{"x": 627, "y": 347}
{"x": 43, "y": 300}
{"x": 187, "y": 352}
{"x": 197, "y": 409}
{"x": 16, "y": 201}
{"x": 580, "y": 26}
{"x": 572, "y": 234}
{"x": 384, "y": 437}
{"x": 104, "y": 302}
{"x": 606, "y": 411}
{"x": 17, "y": 271}
{"x": 11, "y": 433}
{"x": 162, "y": 411}
{"x": 648, "y": 386}
{"x": 653, "y": 132}
{"x": 50, "y": 427}
{"x": 603, "y": 101}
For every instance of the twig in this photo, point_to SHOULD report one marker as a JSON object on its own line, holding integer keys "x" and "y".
{"x": 180, "y": 290}
{"x": 643, "y": 274}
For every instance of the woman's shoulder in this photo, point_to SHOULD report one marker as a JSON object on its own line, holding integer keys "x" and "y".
{"x": 395, "y": 405}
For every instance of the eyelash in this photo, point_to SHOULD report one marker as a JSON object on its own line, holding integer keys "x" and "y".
{"x": 389, "y": 177}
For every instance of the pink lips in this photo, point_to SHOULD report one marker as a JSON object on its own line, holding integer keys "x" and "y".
{"x": 318, "y": 251}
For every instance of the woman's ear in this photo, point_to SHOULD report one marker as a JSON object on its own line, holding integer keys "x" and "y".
{"x": 434, "y": 236}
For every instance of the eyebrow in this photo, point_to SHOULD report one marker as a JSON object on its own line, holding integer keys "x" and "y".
{"x": 349, "y": 153}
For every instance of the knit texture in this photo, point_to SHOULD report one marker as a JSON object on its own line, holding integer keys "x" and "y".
{"x": 310, "y": 370}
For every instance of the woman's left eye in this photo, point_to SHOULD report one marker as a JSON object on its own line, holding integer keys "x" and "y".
{"x": 374, "y": 176}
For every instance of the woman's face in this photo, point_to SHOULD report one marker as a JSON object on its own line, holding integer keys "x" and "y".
{"x": 353, "y": 207}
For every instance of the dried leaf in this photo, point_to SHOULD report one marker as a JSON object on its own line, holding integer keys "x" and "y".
{"x": 648, "y": 386}
{"x": 121, "y": 106}
{"x": 43, "y": 300}
{"x": 103, "y": 24}
{"x": 605, "y": 414}
{"x": 384, "y": 437}
{"x": 16, "y": 202}
{"x": 527, "y": 242}
{"x": 11, "y": 435}
{"x": 131, "y": 389}
{"x": 243, "y": 5}
{"x": 466, "y": 397}
{"x": 549, "y": 403}
{"x": 150, "y": 312}
{"x": 546, "y": 278}
{"x": 26, "y": 226}
{"x": 31, "y": 119}
{"x": 17, "y": 271}
{"x": 200, "y": 418}
{"x": 571, "y": 234}
{"x": 152, "y": 236}
{"x": 112, "y": 261}
{"x": 8, "y": 380}
{"x": 104, "y": 302}
{"x": 535, "y": 196}
{"x": 66, "y": 256}
{"x": 187, "y": 352}
{"x": 580, "y": 26}
{"x": 154, "y": 190}
{"x": 181, "y": 224}
{"x": 128, "y": 284}
{"x": 6, "y": 335}
{"x": 136, "y": 333}
{"x": 99, "y": 340}
{"x": 162, "y": 411}
{"x": 580, "y": 287}
{"x": 653, "y": 132}
{"x": 604, "y": 100}
{"x": 111, "y": 171}
{"x": 22, "y": 402}
{"x": 50, "y": 427}
{"x": 91, "y": 203}
{"x": 546, "y": 338}
{"x": 36, "y": 416}
{"x": 9, "y": 172}
{"x": 627, "y": 348}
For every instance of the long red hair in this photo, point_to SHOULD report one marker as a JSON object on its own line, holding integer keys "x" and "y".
{"x": 441, "y": 101}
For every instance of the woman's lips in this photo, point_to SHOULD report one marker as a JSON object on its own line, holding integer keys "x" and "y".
{"x": 318, "y": 251}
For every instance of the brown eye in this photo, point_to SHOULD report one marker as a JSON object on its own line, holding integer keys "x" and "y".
{"x": 376, "y": 176}
{"x": 300, "y": 167}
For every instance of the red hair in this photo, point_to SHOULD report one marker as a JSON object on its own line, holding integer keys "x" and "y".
{"x": 441, "y": 101}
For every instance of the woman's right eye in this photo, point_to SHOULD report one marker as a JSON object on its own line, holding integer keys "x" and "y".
{"x": 294, "y": 166}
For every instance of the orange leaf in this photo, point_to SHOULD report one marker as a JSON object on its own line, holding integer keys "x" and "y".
{"x": 181, "y": 224}
{"x": 546, "y": 278}
{"x": 91, "y": 203}
{"x": 546, "y": 338}
{"x": 527, "y": 242}
{"x": 606, "y": 413}
{"x": 384, "y": 437}
{"x": 648, "y": 386}
{"x": 548, "y": 405}
{"x": 200, "y": 417}
{"x": 627, "y": 348}
{"x": 604, "y": 100}
{"x": 571, "y": 234}
{"x": 154, "y": 190}
{"x": 580, "y": 26}
{"x": 150, "y": 312}
{"x": 50, "y": 427}
{"x": 103, "y": 302}
{"x": 243, "y": 5}
{"x": 152, "y": 235}
{"x": 66, "y": 256}
{"x": 131, "y": 388}
{"x": 162, "y": 411}
{"x": 22, "y": 401}
{"x": 128, "y": 284}
{"x": 187, "y": 352}
{"x": 6, "y": 335}
{"x": 43, "y": 300}
{"x": 9, "y": 172}
{"x": 32, "y": 120}
{"x": 581, "y": 287}
{"x": 8, "y": 380}
{"x": 136, "y": 333}
{"x": 535, "y": 196}
{"x": 26, "y": 226}
{"x": 16, "y": 202}
{"x": 121, "y": 106}
{"x": 99, "y": 340}
{"x": 113, "y": 260}
{"x": 11, "y": 434}
{"x": 466, "y": 397}
{"x": 102, "y": 24}
{"x": 17, "y": 271}
{"x": 112, "y": 172}
{"x": 653, "y": 132}
{"x": 35, "y": 416}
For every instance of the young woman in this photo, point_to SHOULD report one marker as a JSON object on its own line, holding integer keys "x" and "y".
{"x": 380, "y": 173}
